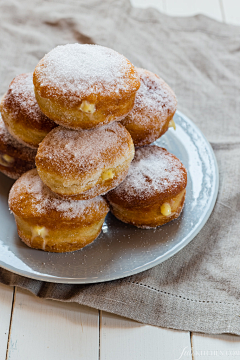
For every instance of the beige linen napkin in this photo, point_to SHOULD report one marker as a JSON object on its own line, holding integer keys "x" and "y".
{"x": 198, "y": 289}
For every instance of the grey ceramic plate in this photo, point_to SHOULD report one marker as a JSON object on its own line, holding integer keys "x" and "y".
{"x": 121, "y": 249}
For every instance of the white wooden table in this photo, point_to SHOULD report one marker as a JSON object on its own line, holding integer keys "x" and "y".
{"x": 35, "y": 329}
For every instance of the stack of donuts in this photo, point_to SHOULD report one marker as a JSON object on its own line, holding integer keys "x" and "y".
{"x": 76, "y": 133}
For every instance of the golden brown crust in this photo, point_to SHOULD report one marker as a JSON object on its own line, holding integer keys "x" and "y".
{"x": 15, "y": 158}
{"x": 30, "y": 199}
{"x": 73, "y": 163}
{"x": 50, "y": 223}
{"x": 21, "y": 112}
{"x": 155, "y": 106}
{"x": 59, "y": 240}
{"x": 16, "y": 167}
{"x": 150, "y": 216}
{"x": 101, "y": 186}
{"x": 73, "y": 118}
{"x": 73, "y": 74}
{"x": 154, "y": 176}
{"x": 153, "y": 192}
{"x": 10, "y": 146}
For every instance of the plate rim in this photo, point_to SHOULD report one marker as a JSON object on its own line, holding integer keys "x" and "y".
{"x": 166, "y": 256}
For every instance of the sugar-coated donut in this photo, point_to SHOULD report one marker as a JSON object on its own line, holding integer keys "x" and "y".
{"x": 87, "y": 163}
{"x": 153, "y": 192}
{"x": 15, "y": 158}
{"x": 47, "y": 222}
{"x": 85, "y": 86}
{"x": 21, "y": 113}
{"x": 153, "y": 111}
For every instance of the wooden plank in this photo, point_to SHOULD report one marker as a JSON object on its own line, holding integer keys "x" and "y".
{"x": 6, "y": 297}
{"x": 210, "y": 8}
{"x": 224, "y": 347}
{"x": 121, "y": 338}
{"x": 46, "y": 329}
{"x": 231, "y": 10}
{"x": 157, "y": 4}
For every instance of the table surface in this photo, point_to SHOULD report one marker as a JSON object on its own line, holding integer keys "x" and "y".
{"x": 36, "y": 329}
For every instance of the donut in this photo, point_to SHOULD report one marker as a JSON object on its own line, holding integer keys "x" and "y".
{"x": 153, "y": 192}
{"x": 86, "y": 163}
{"x": 153, "y": 111}
{"x": 85, "y": 86}
{"x": 21, "y": 113}
{"x": 15, "y": 158}
{"x": 47, "y": 222}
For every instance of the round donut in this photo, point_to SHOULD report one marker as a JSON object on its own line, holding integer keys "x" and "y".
{"x": 153, "y": 192}
{"x": 21, "y": 113}
{"x": 153, "y": 111}
{"x": 85, "y": 86}
{"x": 15, "y": 158}
{"x": 87, "y": 163}
{"x": 47, "y": 222}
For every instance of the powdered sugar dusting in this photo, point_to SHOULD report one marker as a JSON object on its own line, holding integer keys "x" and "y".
{"x": 77, "y": 70}
{"x": 10, "y": 142}
{"x": 153, "y": 171}
{"x": 70, "y": 151}
{"x": 30, "y": 191}
{"x": 154, "y": 99}
{"x": 20, "y": 99}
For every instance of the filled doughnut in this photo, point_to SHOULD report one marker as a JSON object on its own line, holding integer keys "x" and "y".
{"x": 85, "y": 86}
{"x": 153, "y": 192}
{"x": 153, "y": 111}
{"x": 87, "y": 163}
{"x": 15, "y": 158}
{"x": 47, "y": 222}
{"x": 21, "y": 113}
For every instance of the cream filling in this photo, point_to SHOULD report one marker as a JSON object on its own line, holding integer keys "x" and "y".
{"x": 69, "y": 187}
{"x": 39, "y": 231}
{"x": 172, "y": 124}
{"x": 107, "y": 174}
{"x": 166, "y": 209}
{"x": 87, "y": 107}
{"x": 6, "y": 160}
